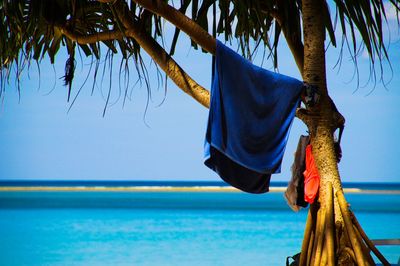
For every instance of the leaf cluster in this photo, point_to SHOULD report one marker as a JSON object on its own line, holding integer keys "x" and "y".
{"x": 33, "y": 29}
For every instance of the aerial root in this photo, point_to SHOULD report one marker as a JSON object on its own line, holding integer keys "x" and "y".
{"x": 365, "y": 249}
{"x": 367, "y": 241}
{"x": 329, "y": 247}
{"x": 350, "y": 252}
{"x": 324, "y": 256}
{"x": 359, "y": 256}
{"x": 308, "y": 237}
{"x": 327, "y": 243}
{"x": 310, "y": 248}
{"x": 318, "y": 242}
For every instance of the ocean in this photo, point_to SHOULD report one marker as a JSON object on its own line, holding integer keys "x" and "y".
{"x": 181, "y": 225}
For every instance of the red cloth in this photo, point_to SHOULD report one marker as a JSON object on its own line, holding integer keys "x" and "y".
{"x": 311, "y": 177}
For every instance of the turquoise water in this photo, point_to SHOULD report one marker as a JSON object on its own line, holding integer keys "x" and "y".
{"x": 168, "y": 228}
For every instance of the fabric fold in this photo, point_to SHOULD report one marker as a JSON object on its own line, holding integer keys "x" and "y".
{"x": 251, "y": 112}
{"x": 294, "y": 193}
{"x": 311, "y": 177}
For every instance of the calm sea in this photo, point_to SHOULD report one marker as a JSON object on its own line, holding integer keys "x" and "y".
{"x": 169, "y": 228}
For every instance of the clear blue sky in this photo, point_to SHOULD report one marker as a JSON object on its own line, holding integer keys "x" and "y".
{"x": 40, "y": 140}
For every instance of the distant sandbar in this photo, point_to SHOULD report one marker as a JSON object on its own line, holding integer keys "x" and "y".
{"x": 162, "y": 189}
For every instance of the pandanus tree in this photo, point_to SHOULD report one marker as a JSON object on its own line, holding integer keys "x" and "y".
{"x": 33, "y": 29}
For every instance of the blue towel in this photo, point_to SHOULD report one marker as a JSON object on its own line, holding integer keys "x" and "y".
{"x": 251, "y": 112}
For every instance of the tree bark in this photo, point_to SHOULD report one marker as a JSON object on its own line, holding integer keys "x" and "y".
{"x": 319, "y": 124}
{"x": 348, "y": 249}
{"x": 91, "y": 38}
{"x": 321, "y": 127}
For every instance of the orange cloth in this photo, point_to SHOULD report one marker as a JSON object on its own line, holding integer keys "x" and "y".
{"x": 311, "y": 177}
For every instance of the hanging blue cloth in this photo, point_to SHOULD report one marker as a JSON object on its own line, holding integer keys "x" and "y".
{"x": 251, "y": 112}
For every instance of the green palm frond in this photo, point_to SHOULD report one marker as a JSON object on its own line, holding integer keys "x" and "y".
{"x": 363, "y": 23}
{"x": 32, "y": 29}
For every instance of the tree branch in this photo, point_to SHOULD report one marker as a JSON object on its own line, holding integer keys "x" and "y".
{"x": 91, "y": 38}
{"x": 161, "y": 57}
{"x": 191, "y": 28}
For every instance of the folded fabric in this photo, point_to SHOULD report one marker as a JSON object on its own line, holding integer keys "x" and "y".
{"x": 251, "y": 112}
{"x": 294, "y": 193}
{"x": 311, "y": 177}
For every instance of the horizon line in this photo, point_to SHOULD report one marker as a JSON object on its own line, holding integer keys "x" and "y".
{"x": 172, "y": 181}
{"x": 167, "y": 189}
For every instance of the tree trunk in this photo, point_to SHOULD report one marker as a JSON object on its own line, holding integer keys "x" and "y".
{"x": 330, "y": 236}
